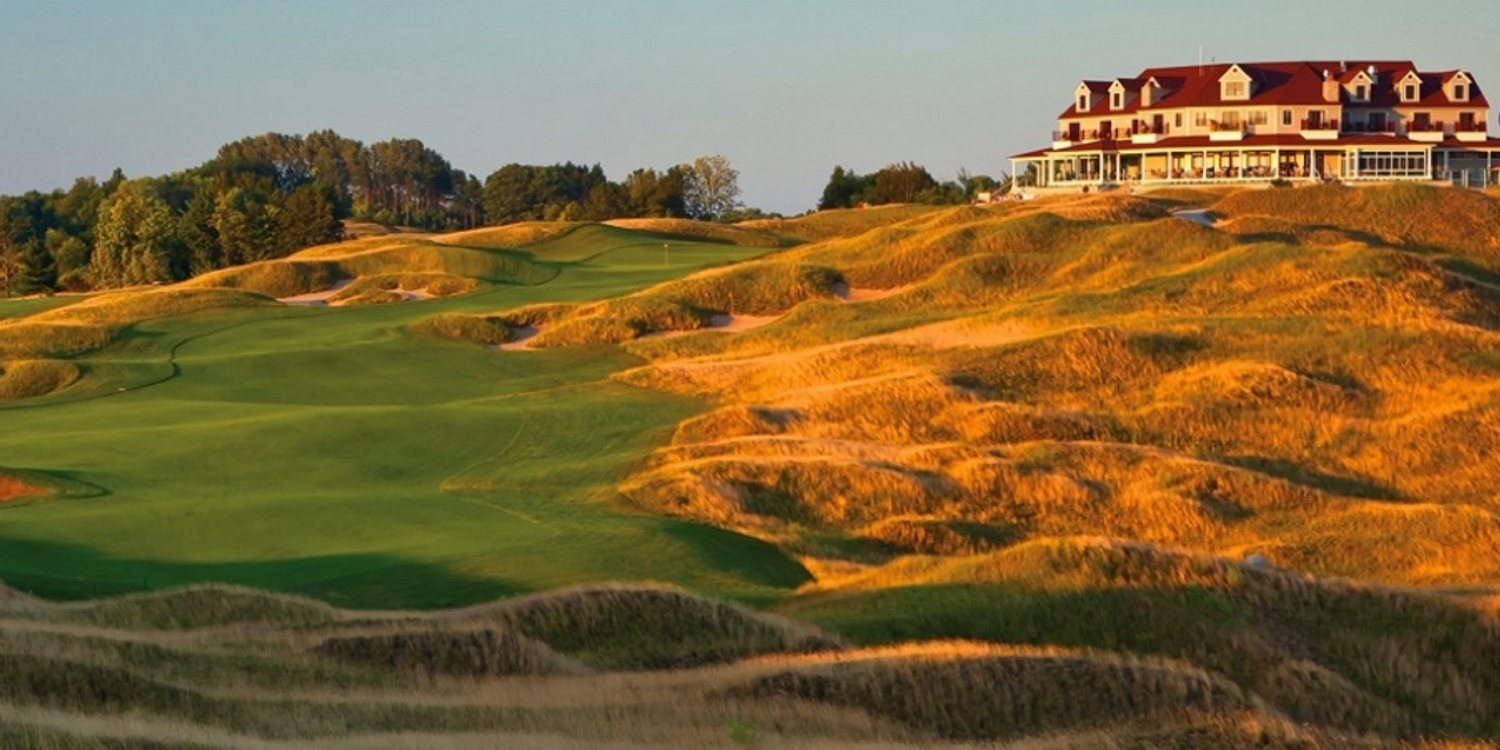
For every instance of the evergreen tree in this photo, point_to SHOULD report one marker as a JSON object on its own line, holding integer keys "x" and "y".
{"x": 196, "y": 232}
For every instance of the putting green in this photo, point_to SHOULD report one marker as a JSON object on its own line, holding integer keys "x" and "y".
{"x": 330, "y": 452}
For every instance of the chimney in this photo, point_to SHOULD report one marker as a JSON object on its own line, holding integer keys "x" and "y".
{"x": 1148, "y": 94}
{"x": 1330, "y": 88}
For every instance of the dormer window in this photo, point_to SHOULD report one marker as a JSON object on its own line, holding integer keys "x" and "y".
{"x": 1234, "y": 85}
{"x": 1460, "y": 92}
{"x": 1408, "y": 92}
{"x": 1083, "y": 103}
{"x": 1360, "y": 93}
{"x": 1116, "y": 100}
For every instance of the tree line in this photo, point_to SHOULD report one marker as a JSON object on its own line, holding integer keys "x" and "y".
{"x": 905, "y": 182}
{"x": 269, "y": 196}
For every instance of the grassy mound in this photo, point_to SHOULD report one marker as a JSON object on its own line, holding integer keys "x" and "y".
{"x": 701, "y": 230}
{"x": 35, "y": 377}
{"x": 96, "y": 322}
{"x": 488, "y": 330}
{"x": 1323, "y": 651}
{"x": 1404, "y": 215}
{"x": 838, "y": 223}
{"x": 385, "y": 264}
{"x": 134, "y": 306}
{"x": 971, "y": 692}
{"x": 523, "y": 234}
{"x": 433, "y": 653}
{"x": 193, "y": 607}
{"x": 616, "y": 627}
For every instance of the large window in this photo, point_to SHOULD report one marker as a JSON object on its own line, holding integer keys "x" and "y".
{"x": 1393, "y": 164}
{"x": 1200, "y": 119}
{"x": 1257, "y": 117}
{"x": 1234, "y": 90}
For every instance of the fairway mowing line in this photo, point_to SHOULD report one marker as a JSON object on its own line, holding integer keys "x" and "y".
{"x": 552, "y": 530}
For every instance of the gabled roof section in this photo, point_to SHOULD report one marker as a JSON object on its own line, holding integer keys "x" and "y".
{"x": 1099, "y": 98}
{"x": 1235, "y": 73}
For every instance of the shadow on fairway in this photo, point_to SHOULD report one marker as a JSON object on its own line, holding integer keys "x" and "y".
{"x": 362, "y": 580}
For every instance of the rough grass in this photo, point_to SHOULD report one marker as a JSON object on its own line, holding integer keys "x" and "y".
{"x": 495, "y": 673}
{"x": 702, "y": 230}
{"x": 1004, "y": 693}
{"x": 35, "y": 377}
{"x": 1405, "y": 215}
{"x": 97, "y": 321}
{"x": 649, "y": 628}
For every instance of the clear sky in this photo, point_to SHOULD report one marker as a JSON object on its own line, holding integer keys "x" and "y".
{"x": 784, "y": 88}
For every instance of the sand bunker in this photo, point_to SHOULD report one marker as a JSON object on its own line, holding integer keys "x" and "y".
{"x": 326, "y": 297}
{"x": 522, "y": 341}
{"x": 847, "y": 294}
{"x": 1197, "y": 215}
{"x": 314, "y": 299}
{"x": 413, "y": 295}
{"x": 737, "y": 323}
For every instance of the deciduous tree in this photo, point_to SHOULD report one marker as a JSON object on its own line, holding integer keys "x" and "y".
{"x": 712, "y": 188}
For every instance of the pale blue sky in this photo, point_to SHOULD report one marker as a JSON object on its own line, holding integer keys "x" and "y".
{"x": 784, "y": 88}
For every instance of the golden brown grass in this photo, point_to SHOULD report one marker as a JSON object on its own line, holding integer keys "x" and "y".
{"x": 701, "y": 230}
{"x": 1326, "y": 404}
{"x": 35, "y": 377}
{"x": 1405, "y": 215}
{"x": 511, "y": 235}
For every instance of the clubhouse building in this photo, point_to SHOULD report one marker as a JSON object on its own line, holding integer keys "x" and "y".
{"x": 1256, "y": 122}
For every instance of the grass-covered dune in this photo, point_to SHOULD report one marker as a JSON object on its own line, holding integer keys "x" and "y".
{"x": 647, "y": 666}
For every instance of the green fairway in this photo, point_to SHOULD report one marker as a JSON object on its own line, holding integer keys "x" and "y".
{"x": 330, "y": 452}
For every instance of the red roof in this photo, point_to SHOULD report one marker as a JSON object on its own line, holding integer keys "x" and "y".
{"x": 1279, "y": 83}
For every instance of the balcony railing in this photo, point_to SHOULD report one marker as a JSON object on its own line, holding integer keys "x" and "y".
{"x": 1320, "y": 124}
{"x": 1228, "y": 127}
{"x": 1388, "y": 126}
{"x": 1472, "y": 127}
{"x": 1412, "y": 126}
{"x": 1141, "y": 127}
{"x": 1085, "y": 135}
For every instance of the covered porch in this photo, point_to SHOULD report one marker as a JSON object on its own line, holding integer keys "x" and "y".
{"x": 1107, "y": 165}
{"x": 1469, "y": 165}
